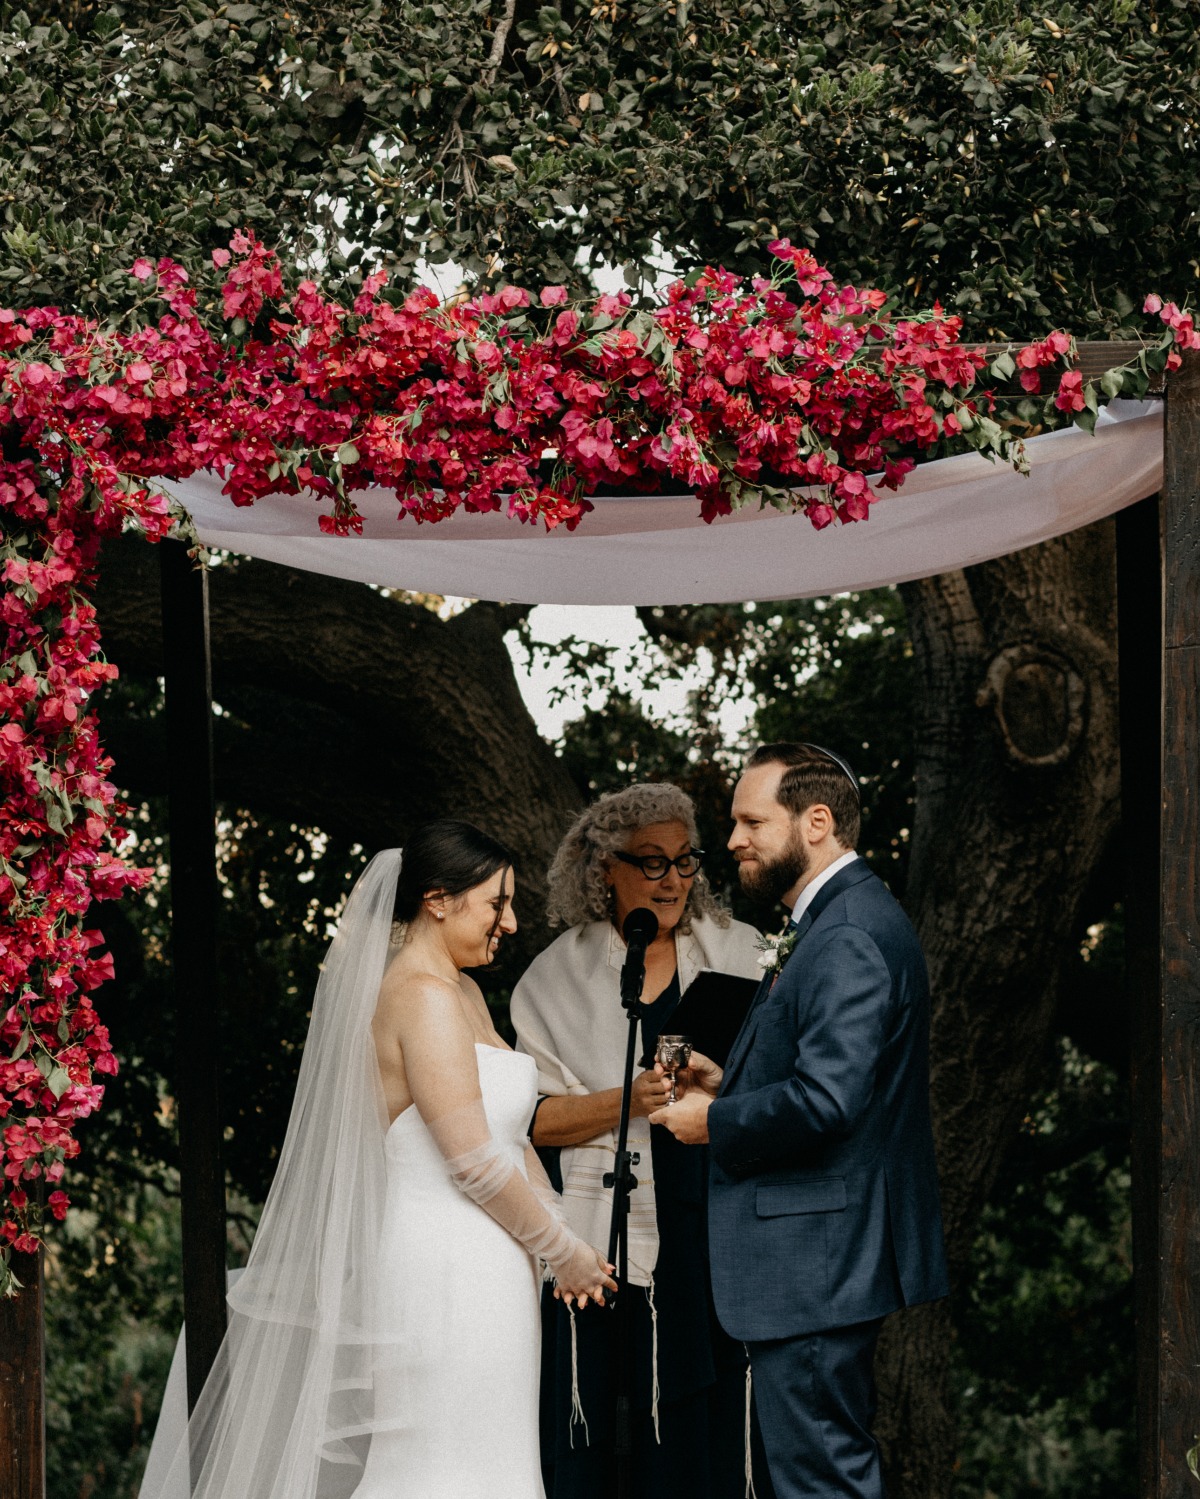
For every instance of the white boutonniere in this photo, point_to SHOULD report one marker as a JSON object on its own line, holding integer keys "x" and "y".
{"x": 773, "y": 952}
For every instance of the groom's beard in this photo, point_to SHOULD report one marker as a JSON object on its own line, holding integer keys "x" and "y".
{"x": 771, "y": 879}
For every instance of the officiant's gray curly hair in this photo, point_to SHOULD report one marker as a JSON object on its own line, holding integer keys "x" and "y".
{"x": 578, "y": 889}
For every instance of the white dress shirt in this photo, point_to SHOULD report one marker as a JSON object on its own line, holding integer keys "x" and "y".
{"x": 806, "y": 895}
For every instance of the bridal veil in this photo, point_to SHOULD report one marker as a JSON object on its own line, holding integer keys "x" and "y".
{"x": 289, "y": 1407}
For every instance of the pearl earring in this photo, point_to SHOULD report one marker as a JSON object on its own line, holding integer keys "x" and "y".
{"x": 441, "y": 915}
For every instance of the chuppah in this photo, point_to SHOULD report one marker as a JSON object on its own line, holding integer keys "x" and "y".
{"x": 163, "y": 377}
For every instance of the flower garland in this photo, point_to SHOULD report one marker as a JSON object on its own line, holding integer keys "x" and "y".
{"x": 789, "y": 390}
{"x": 58, "y": 834}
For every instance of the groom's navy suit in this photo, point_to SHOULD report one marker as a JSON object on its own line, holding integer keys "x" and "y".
{"x": 823, "y": 1203}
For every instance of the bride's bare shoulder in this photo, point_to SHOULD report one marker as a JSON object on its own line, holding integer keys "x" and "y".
{"x": 473, "y": 995}
{"x": 412, "y": 997}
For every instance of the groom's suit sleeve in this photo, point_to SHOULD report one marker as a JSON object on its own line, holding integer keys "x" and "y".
{"x": 835, "y": 1027}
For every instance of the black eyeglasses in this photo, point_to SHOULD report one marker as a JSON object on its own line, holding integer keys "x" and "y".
{"x": 655, "y": 866}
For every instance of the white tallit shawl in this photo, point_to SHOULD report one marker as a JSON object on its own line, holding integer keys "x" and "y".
{"x": 567, "y": 1014}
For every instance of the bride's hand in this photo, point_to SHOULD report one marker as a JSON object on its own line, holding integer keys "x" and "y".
{"x": 585, "y": 1277}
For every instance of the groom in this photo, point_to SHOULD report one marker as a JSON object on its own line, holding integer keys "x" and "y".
{"x": 823, "y": 1202}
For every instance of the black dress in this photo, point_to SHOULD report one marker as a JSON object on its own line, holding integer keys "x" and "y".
{"x": 701, "y": 1370}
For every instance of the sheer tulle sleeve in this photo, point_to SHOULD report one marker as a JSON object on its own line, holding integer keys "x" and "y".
{"x": 492, "y": 1178}
{"x": 443, "y": 1075}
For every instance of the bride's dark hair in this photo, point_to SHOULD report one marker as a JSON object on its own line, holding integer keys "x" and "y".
{"x": 449, "y": 857}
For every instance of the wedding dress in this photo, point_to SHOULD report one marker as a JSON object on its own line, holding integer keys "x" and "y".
{"x": 456, "y": 1413}
{"x": 383, "y": 1338}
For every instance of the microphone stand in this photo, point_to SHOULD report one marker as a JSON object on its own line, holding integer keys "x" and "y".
{"x": 640, "y": 929}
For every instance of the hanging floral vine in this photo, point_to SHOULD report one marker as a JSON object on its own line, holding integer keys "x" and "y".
{"x": 791, "y": 390}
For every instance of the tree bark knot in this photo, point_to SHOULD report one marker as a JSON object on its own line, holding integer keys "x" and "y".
{"x": 1040, "y": 703}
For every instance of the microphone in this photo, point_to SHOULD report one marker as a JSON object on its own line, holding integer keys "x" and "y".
{"x": 639, "y": 929}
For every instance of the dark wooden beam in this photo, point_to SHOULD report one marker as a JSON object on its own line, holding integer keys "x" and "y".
{"x": 192, "y": 828}
{"x": 1095, "y": 357}
{"x": 1139, "y": 614}
{"x": 1177, "y": 1260}
{"x": 22, "y": 1385}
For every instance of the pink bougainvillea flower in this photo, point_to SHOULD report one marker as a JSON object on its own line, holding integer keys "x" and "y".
{"x": 1070, "y": 392}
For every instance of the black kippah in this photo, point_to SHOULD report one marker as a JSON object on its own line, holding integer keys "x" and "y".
{"x": 840, "y": 763}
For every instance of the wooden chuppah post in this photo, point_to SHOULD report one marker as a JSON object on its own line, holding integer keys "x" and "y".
{"x": 1158, "y": 559}
{"x": 1139, "y": 613}
{"x": 1170, "y": 1083}
{"x": 22, "y": 1384}
{"x": 192, "y": 826}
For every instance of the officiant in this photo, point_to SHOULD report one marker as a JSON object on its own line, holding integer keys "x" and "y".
{"x": 692, "y": 1433}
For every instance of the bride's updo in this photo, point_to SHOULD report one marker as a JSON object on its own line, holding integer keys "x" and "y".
{"x": 448, "y": 856}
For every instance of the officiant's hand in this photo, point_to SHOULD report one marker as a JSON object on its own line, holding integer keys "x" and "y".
{"x": 687, "y": 1119}
{"x": 650, "y": 1091}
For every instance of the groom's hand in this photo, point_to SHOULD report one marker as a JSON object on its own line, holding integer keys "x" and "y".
{"x": 701, "y": 1072}
{"x": 688, "y": 1119}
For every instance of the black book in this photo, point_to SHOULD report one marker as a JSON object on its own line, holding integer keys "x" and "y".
{"x": 711, "y": 1012}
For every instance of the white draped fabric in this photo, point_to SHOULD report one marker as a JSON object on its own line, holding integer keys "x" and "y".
{"x": 647, "y": 549}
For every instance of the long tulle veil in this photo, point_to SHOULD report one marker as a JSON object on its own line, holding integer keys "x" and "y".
{"x": 289, "y": 1407}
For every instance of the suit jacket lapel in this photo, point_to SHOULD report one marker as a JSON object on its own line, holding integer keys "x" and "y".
{"x": 744, "y": 1038}
{"x": 852, "y": 874}
{"x": 741, "y": 1041}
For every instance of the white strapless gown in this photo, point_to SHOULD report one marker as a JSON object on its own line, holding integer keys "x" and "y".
{"x": 457, "y": 1390}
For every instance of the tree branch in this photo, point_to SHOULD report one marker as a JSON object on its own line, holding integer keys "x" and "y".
{"x": 350, "y": 710}
{"x": 500, "y": 41}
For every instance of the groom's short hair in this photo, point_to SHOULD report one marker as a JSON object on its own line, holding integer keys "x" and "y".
{"x": 813, "y": 775}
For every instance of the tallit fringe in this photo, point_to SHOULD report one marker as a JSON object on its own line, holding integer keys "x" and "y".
{"x": 577, "y": 1415}
{"x": 750, "y": 1494}
{"x": 653, "y": 1358}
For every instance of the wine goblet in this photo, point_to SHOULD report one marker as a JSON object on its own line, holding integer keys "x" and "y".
{"x": 673, "y": 1052}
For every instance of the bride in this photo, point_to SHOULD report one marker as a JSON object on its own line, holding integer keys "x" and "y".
{"x": 383, "y": 1339}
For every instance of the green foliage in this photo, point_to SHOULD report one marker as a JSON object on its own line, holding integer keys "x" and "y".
{"x": 608, "y": 747}
{"x": 1029, "y": 170}
{"x": 159, "y": 129}
{"x": 1045, "y": 1326}
{"x": 836, "y": 671}
{"x": 113, "y": 1307}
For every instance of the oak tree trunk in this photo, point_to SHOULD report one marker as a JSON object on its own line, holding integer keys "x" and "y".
{"x": 1017, "y": 787}
{"x": 346, "y": 709}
